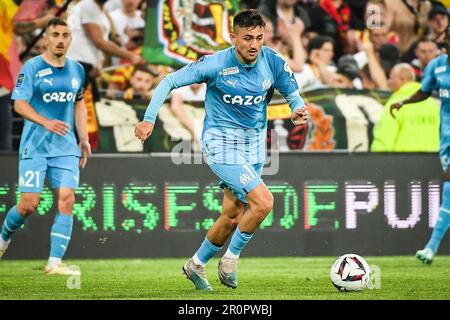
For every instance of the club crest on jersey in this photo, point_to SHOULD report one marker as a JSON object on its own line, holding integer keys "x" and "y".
{"x": 231, "y": 70}
{"x": 74, "y": 83}
{"x": 288, "y": 69}
{"x": 266, "y": 84}
{"x": 44, "y": 72}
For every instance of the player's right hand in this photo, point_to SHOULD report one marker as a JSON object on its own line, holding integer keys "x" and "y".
{"x": 143, "y": 130}
{"x": 57, "y": 127}
{"x": 396, "y": 106}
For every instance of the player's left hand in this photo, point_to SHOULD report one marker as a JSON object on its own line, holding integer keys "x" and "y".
{"x": 85, "y": 148}
{"x": 300, "y": 116}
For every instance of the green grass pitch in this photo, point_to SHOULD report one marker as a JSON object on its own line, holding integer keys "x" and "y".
{"x": 259, "y": 278}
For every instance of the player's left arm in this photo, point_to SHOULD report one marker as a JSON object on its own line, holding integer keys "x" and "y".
{"x": 81, "y": 126}
{"x": 196, "y": 72}
{"x": 286, "y": 84}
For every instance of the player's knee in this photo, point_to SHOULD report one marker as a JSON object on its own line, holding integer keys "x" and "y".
{"x": 27, "y": 207}
{"x": 265, "y": 205}
{"x": 232, "y": 222}
{"x": 65, "y": 203}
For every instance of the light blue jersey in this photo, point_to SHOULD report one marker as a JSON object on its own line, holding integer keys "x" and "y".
{"x": 52, "y": 93}
{"x": 436, "y": 77}
{"x": 235, "y": 125}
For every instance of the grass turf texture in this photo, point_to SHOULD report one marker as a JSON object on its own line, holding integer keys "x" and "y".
{"x": 259, "y": 278}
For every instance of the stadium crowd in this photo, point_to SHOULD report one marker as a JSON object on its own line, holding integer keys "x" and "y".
{"x": 355, "y": 44}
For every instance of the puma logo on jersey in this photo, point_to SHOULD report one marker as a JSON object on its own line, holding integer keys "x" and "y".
{"x": 49, "y": 81}
{"x": 58, "y": 97}
{"x": 233, "y": 83}
{"x": 243, "y": 101}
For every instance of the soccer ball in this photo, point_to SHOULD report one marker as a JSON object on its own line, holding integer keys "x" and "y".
{"x": 350, "y": 272}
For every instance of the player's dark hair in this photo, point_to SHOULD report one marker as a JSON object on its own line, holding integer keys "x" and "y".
{"x": 57, "y": 21}
{"x": 249, "y": 18}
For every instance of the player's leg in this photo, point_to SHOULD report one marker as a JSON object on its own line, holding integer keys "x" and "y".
{"x": 31, "y": 180}
{"x": 63, "y": 174}
{"x": 246, "y": 183}
{"x": 16, "y": 218}
{"x": 440, "y": 228}
{"x": 260, "y": 202}
{"x": 218, "y": 234}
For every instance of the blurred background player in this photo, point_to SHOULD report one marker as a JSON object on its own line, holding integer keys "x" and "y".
{"x": 240, "y": 83}
{"x": 436, "y": 77}
{"x": 49, "y": 95}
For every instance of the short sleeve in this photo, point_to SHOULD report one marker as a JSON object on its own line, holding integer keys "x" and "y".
{"x": 23, "y": 89}
{"x": 195, "y": 72}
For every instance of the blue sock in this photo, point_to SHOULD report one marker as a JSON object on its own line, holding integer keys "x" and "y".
{"x": 12, "y": 223}
{"x": 238, "y": 241}
{"x": 60, "y": 234}
{"x": 206, "y": 251}
{"x": 443, "y": 220}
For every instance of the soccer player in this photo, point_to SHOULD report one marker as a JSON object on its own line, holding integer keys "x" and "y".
{"x": 240, "y": 83}
{"x": 437, "y": 77}
{"x": 49, "y": 95}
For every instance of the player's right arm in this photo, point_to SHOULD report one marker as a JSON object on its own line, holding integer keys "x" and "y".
{"x": 23, "y": 108}
{"x": 428, "y": 85}
{"x": 22, "y": 94}
{"x": 196, "y": 72}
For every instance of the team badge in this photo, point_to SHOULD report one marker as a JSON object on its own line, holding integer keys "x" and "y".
{"x": 74, "y": 83}
{"x": 266, "y": 84}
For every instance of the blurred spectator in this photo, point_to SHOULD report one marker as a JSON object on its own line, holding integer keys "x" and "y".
{"x": 426, "y": 51}
{"x": 416, "y": 127}
{"x": 389, "y": 56}
{"x": 357, "y": 12}
{"x": 292, "y": 51}
{"x": 282, "y": 14}
{"x": 437, "y": 23}
{"x": 438, "y": 20}
{"x": 127, "y": 17}
{"x": 407, "y": 18}
{"x": 28, "y": 26}
{"x": 331, "y": 18}
{"x": 348, "y": 73}
{"x": 112, "y": 5}
{"x": 141, "y": 83}
{"x": 319, "y": 68}
{"x": 90, "y": 29}
{"x": 192, "y": 94}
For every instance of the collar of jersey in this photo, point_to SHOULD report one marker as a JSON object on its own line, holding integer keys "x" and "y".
{"x": 59, "y": 68}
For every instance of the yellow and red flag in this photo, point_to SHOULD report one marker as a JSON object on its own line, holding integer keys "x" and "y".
{"x": 9, "y": 62}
